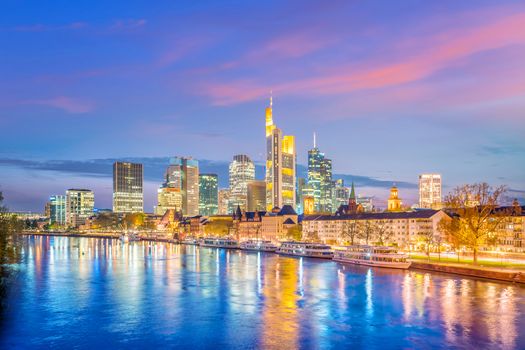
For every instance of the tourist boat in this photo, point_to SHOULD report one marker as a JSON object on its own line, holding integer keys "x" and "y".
{"x": 312, "y": 250}
{"x": 129, "y": 237}
{"x": 258, "y": 245}
{"x": 219, "y": 243}
{"x": 372, "y": 256}
{"x": 190, "y": 240}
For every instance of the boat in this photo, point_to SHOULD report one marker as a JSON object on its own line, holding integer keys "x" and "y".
{"x": 258, "y": 245}
{"x": 306, "y": 249}
{"x": 228, "y": 243}
{"x": 372, "y": 256}
{"x": 190, "y": 241}
{"x": 129, "y": 237}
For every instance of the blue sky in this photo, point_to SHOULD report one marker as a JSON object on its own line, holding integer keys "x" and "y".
{"x": 392, "y": 89}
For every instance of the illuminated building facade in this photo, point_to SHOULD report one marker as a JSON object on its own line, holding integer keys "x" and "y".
{"x": 320, "y": 179}
{"x": 180, "y": 190}
{"x": 80, "y": 204}
{"x": 128, "y": 194}
{"x": 57, "y": 210}
{"x": 241, "y": 171}
{"x": 394, "y": 202}
{"x": 208, "y": 194}
{"x": 256, "y": 196}
{"x": 224, "y": 201}
{"x": 280, "y": 165}
{"x": 341, "y": 193}
{"x": 430, "y": 191}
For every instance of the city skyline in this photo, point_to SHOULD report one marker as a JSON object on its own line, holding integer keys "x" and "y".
{"x": 384, "y": 103}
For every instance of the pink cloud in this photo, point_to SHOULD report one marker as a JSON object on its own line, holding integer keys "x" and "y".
{"x": 433, "y": 54}
{"x": 67, "y": 104}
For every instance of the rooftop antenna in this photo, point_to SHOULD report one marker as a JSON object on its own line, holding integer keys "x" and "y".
{"x": 271, "y": 102}
{"x": 315, "y": 143}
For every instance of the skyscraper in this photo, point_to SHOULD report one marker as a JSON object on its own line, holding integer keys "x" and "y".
{"x": 127, "y": 188}
{"x": 256, "y": 195}
{"x": 57, "y": 210}
{"x": 169, "y": 195}
{"x": 320, "y": 179}
{"x": 208, "y": 194}
{"x": 430, "y": 191}
{"x": 189, "y": 184}
{"x": 80, "y": 205}
{"x": 341, "y": 194}
{"x": 224, "y": 200}
{"x": 242, "y": 171}
{"x": 280, "y": 165}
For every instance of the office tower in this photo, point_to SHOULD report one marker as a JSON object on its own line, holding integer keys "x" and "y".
{"x": 57, "y": 210}
{"x": 242, "y": 171}
{"x": 80, "y": 204}
{"x": 320, "y": 179}
{"x": 280, "y": 165}
{"x": 256, "y": 195}
{"x": 430, "y": 191}
{"x": 208, "y": 194}
{"x": 182, "y": 178}
{"x": 128, "y": 196}
{"x": 301, "y": 183}
{"x": 366, "y": 203}
{"x": 341, "y": 193}
{"x": 224, "y": 201}
{"x": 394, "y": 202}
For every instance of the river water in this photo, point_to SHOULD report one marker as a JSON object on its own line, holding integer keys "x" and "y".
{"x": 101, "y": 293}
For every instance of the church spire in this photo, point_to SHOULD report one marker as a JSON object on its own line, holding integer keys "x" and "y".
{"x": 352, "y": 192}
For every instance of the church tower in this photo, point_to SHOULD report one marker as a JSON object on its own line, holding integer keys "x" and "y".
{"x": 394, "y": 202}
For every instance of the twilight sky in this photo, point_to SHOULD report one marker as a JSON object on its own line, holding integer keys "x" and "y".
{"x": 392, "y": 88}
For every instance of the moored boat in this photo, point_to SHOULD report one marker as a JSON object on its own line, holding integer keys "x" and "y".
{"x": 372, "y": 256}
{"x": 258, "y": 245}
{"x": 312, "y": 250}
{"x": 190, "y": 241}
{"x": 219, "y": 243}
{"x": 129, "y": 237}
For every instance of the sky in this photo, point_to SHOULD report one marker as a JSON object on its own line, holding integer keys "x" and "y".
{"x": 392, "y": 89}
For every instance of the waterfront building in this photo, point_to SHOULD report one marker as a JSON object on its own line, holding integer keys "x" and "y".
{"x": 341, "y": 193}
{"x": 430, "y": 191}
{"x": 224, "y": 201}
{"x": 248, "y": 224}
{"x": 128, "y": 194}
{"x": 57, "y": 210}
{"x": 256, "y": 195}
{"x": 80, "y": 204}
{"x": 511, "y": 232}
{"x": 180, "y": 190}
{"x": 320, "y": 179}
{"x": 402, "y": 229}
{"x": 394, "y": 202}
{"x": 241, "y": 171}
{"x": 275, "y": 224}
{"x": 208, "y": 194}
{"x": 280, "y": 165}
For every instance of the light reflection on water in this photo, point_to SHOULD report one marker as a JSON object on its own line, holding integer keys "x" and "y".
{"x": 87, "y": 293}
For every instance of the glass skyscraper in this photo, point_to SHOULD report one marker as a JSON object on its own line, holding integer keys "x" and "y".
{"x": 128, "y": 196}
{"x": 242, "y": 171}
{"x": 320, "y": 180}
{"x": 208, "y": 194}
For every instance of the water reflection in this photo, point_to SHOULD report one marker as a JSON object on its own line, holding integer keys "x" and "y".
{"x": 99, "y": 292}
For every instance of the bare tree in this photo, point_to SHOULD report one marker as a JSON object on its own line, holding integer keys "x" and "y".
{"x": 350, "y": 231}
{"x": 476, "y": 216}
{"x": 366, "y": 230}
{"x": 428, "y": 238}
{"x": 381, "y": 231}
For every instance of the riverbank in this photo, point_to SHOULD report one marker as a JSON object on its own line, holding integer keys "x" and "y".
{"x": 507, "y": 275}
{"x": 112, "y": 235}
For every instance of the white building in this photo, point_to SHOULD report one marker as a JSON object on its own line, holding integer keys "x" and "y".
{"x": 80, "y": 204}
{"x": 430, "y": 191}
{"x": 241, "y": 171}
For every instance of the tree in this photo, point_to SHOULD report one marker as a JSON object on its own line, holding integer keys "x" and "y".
{"x": 366, "y": 230}
{"x": 218, "y": 227}
{"x": 427, "y": 237}
{"x": 9, "y": 225}
{"x": 295, "y": 233}
{"x": 381, "y": 230}
{"x": 476, "y": 216}
{"x": 350, "y": 231}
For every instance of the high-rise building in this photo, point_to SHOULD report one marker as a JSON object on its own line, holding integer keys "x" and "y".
{"x": 208, "y": 194}
{"x": 224, "y": 201}
{"x": 256, "y": 196}
{"x": 242, "y": 171}
{"x": 128, "y": 195}
{"x": 301, "y": 184}
{"x": 280, "y": 165}
{"x": 341, "y": 194}
{"x": 80, "y": 204}
{"x": 169, "y": 195}
{"x": 430, "y": 191}
{"x": 320, "y": 179}
{"x": 366, "y": 203}
{"x": 57, "y": 210}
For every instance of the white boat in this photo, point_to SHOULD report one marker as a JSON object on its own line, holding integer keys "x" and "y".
{"x": 190, "y": 240}
{"x": 129, "y": 237}
{"x": 219, "y": 243}
{"x": 372, "y": 256}
{"x": 312, "y": 250}
{"x": 258, "y": 245}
